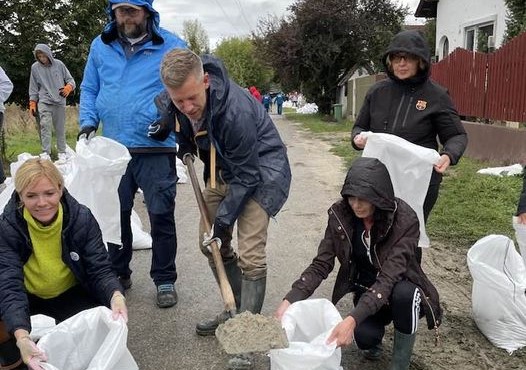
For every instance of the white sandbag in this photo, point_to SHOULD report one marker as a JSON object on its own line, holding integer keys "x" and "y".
{"x": 499, "y": 291}
{"x": 181, "y": 171}
{"x": 513, "y": 170}
{"x": 308, "y": 324}
{"x": 520, "y": 236}
{"x": 41, "y": 325}
{"x": 94, "y": 181}
{"x": 410, "y": 167}
{"x": 90, "y": 340}
{"x": 141, "y": 239}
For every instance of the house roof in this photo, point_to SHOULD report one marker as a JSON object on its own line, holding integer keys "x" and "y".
{"x": 426, "y": 9}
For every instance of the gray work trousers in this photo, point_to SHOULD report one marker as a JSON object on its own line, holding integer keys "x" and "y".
{"x": 52, "y": 116}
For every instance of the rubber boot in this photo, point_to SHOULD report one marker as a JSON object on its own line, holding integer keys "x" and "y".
{"x": 252, "y": 297}
{"x": 402, "y": 350}
{"x": 233, "y": 272}
{"x": 10, "y": 356}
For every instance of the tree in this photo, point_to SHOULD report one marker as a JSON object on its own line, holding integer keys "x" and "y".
{"x": 67, "y": 26}
{"x": 243, "y": 64}
{"x": 323, "y": 39}
{"x": 516, "y": 18}
{"x": 196, "y": 37}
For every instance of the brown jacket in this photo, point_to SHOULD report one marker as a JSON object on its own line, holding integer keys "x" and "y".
{"x": 394, "y": 239}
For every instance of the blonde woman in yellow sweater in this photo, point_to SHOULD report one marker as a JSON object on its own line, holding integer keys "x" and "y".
{"x": 52, "y": 261}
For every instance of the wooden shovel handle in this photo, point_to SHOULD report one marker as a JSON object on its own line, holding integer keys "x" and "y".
{"x": 224, "y": 284}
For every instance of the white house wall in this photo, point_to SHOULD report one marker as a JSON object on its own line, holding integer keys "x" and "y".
{"x": 455, "y": 16}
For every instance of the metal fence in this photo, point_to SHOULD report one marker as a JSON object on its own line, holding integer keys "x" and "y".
{"x": 491, "y": 86}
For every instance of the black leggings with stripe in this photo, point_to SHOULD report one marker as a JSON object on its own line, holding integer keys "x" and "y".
{"x": 403, "y": 310}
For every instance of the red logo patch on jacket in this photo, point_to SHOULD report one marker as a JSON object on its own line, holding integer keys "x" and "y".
{"x": 421, "y": 104}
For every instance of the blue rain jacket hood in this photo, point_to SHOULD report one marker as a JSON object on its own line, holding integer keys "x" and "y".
{"x": 110, "y": 32}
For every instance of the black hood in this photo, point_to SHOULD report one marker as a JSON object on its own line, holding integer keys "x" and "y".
{"x": 369, "y": 179}
{"x": 412, "y": 42}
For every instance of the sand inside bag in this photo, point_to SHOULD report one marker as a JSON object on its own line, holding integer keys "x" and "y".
{"x": 248, "y": 332}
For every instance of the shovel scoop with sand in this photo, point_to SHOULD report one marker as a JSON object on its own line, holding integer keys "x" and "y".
{"x": 248, "y": 332}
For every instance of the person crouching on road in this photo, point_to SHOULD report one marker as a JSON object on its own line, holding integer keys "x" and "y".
{"x": 52, "y": 261}
{"x": 246, "y": 170}
{"x": 374, "y": 236}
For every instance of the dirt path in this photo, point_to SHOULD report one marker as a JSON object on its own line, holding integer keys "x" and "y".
{"x": 166, "y": 339}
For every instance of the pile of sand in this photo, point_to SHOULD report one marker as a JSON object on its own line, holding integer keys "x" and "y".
{"x": 248, "y": 332}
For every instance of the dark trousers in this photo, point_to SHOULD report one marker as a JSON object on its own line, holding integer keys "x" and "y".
{"x": 403, "y": 310}
{"x": 156, "y": 175}
{"x": 429, "y": 203}
{"x": 69, "y": 303}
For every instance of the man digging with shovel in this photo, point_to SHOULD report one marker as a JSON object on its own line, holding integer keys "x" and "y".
{"x": 246, "y": 171}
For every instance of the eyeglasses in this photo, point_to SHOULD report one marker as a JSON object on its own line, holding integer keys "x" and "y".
{"x": 125, "y": 10}
{"x": 397, "y": 58}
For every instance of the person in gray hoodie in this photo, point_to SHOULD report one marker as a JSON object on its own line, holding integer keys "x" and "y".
{"x": 49, "y": 86}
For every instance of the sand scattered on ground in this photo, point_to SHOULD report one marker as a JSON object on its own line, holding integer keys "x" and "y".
{"x": 248, "y": 332}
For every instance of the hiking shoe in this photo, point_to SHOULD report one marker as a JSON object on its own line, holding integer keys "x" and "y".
{"x": 374, "y": 353}
{"x": 166, "y": 295}
{"x": 208, "y": 326}
{"x": 126, "y": 282}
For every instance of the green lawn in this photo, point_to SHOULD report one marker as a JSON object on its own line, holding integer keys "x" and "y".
{"x": 470, "y": 206}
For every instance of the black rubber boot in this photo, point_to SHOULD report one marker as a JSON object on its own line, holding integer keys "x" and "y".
{"x": 252, "y": 297}
{"x": 10, "y": 356}
{"x": 233, "y": 272}
{"x": 402, "y": 350}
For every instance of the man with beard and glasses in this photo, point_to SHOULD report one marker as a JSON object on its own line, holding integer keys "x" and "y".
{"x": 121, "y": 80}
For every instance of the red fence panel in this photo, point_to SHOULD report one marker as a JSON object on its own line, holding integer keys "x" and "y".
{"x": 506, "y": 92}
{"x": 463, "y": 73}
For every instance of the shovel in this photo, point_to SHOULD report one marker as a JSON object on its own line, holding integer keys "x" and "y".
{"x": 224, "y": 284}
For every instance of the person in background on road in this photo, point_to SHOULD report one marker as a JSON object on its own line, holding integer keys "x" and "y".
{"x": 374, "y": 237}
{"x": 246, "y": 170}
{"x": 50, "y": 84}
{"x": 279, "y": 99}
{"x": 521, "y": 208}
{"x": 266, "y": 101}
{"x": 52, "y": 261}
{"x": 409, "y": 105}
{"x": 121, "y": 80}
{"x": 6, "y": 87}
{"x": 255, "y": 93}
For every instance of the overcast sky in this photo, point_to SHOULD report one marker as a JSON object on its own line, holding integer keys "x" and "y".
{"x": 226, "y": 18}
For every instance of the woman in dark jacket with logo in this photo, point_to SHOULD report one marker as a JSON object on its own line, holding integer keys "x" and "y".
{"x": 52, "y": 261}
{"x": 374, "y": 236}
{"x": 409, "y": 105}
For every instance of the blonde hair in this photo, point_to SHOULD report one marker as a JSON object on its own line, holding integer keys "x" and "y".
{"x": 178, "y": 65}
{"x": 34, "y": 169}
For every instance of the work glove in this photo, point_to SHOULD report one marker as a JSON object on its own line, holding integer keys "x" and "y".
{"x": 161, "y": 129}
{"x": 33, "y": 108}
{"x": 86, "y": 132}
{"x": 30, "y": 353}
{"x": 118, "y": 307}
{"x": 66, "y": 90}
{"x": 218, "y": 234}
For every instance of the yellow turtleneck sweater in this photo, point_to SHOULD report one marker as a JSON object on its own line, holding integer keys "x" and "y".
{"x": 45, "y": 274}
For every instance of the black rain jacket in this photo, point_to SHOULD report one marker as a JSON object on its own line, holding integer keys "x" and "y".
{"x": 416, "y": 109}
{"x": 83, "y": 251}
{"x": 251, "y": 157}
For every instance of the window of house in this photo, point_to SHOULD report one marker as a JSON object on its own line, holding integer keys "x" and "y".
{"x": 477, "y": 37}
{"x": 470, "y": 39}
